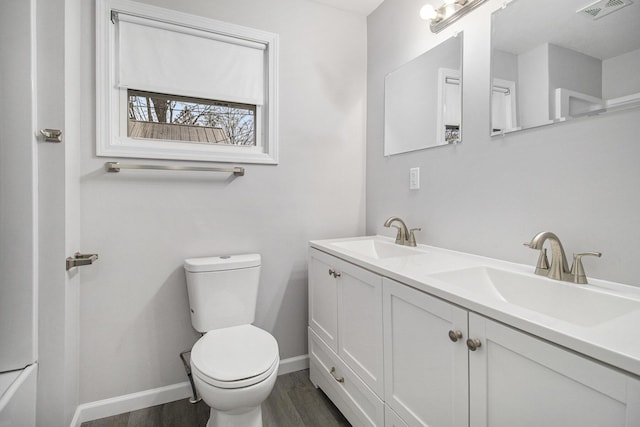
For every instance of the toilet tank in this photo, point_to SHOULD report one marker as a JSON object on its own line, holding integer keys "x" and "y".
{"x": 222, "y": 290}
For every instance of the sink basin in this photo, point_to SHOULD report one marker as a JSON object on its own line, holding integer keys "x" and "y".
{"x": 374, "y": 248}
{"x": 577, "y": 304}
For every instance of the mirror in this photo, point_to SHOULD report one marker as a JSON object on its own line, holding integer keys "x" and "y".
{"x": 557, "y": 60}
{"x": 422, "y": 105}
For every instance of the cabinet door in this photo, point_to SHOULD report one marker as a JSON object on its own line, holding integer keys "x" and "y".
{"x": 520, "y": 380}
{"x": 360, "y": 323}
{"x": 426, "y": 373}
{"x": 323, "y": 298}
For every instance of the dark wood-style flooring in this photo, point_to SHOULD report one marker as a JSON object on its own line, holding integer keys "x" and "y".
{"x": 294, "y": 402}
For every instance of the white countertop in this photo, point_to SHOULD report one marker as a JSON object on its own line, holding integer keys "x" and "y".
{"x": 615, "y": 342}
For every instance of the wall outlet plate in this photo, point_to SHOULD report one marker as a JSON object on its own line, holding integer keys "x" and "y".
{"x": 414, "y": 179}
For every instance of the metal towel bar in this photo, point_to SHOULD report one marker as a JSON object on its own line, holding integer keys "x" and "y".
{"x": 115, "y": 167}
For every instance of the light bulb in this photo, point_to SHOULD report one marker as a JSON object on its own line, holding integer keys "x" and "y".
{"x": 428, "y": 13}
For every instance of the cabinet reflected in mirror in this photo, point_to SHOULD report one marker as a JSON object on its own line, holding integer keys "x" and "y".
{"x": 557, "y": 60}
{"x": 422, "y": 106}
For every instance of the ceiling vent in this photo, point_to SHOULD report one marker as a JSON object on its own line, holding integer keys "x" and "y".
{"x": 602, "y": 8}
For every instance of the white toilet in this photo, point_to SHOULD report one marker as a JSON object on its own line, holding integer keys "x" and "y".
{"x": 235, "y": 364}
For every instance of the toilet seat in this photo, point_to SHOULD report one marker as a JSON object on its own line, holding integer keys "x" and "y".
{"x": 235, "y": 357}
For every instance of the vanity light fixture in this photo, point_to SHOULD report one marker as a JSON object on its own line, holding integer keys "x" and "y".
{"x": 449, "y": 12}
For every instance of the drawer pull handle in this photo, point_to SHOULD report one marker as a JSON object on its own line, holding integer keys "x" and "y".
{"x": 455, "y": 335}
{"x": 474, "y": 344}
{"x": 334, "y": 273}
{"x": 333, "y": 374}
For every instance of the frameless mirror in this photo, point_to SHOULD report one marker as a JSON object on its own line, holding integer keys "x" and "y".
{"x": 422, "y": 106}
{"x": 557, "y": 60}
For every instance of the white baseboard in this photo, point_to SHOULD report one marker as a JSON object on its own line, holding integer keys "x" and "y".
{"x": 130, "y": 402}
{"x": 293, "y": 364}
{"x": 157, "y": 396}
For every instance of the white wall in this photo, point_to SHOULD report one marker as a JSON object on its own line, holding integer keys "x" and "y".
{"x": 489, "y": 195}
{"x": 505, "y": 66}
{"x": 533, "y": 86}
{"x": 18, "y": 239}
{"x": 134, "y": 313}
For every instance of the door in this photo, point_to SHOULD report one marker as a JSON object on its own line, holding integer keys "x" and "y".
{"x": 519, "y": 381}
{"x": 57, "y": 31}
{"x": 425, "y": 357}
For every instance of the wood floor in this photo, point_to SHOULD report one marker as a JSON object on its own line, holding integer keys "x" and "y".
{"x": 294, "y": 402}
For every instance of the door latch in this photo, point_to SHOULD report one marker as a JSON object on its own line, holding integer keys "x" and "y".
{"x": 52, "y": 135}
{"x": 78, "y": 260}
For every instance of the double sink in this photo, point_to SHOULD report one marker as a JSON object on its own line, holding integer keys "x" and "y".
{"x": 600, "y": 319}
{"x": 584, "y": 305}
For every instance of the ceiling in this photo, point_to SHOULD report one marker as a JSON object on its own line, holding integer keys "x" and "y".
{"x": 361, "y": 7}
{"x": 526, "y": 24}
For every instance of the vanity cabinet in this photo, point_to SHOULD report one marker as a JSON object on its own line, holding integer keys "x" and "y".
{"x": 391, "y": 419}
{"x": 345, "y": 335}
{"x": 426, "y": 378}
{"x": 431, "y": 375}
{"x": 519, "y": 380}
{"x": 511, "y": 379}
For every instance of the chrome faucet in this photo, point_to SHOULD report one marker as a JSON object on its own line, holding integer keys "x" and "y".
{"x": 559, "y": 268}
{"x": 405, "y": 236}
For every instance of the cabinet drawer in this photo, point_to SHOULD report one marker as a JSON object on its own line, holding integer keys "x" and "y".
{"x": 357, "y": 402}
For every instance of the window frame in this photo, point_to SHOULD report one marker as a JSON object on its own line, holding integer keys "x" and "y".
{"x": 112, "y": 101}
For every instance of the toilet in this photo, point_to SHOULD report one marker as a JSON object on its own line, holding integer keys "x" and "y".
{"x": 235, "y": 364}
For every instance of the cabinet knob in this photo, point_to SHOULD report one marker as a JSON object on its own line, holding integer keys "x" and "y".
{"x": 333, "y": 374}
{"x": 474, "y": 344}
{"x": 455, "y": 335}
{"x": 334, "y": 273}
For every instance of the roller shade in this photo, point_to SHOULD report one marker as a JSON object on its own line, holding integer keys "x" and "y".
{"x": 160, "y": 57}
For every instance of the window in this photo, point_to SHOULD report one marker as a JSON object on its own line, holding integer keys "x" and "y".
{"x": 177, "y": 86}
{"x": 177, "y": 118}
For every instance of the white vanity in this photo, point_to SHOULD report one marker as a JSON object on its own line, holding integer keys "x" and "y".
{"x": 424, "y": 336}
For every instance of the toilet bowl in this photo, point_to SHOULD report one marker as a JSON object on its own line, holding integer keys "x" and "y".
{"x": 234, "y": 370}
{"x": 234, "y": 364}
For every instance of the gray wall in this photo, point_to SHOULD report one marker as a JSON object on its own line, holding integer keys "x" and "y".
{"x": 134, "y": 313}
{"x": 621, "y": 75}
{"x": 488, "y": 195}
{"x": 572, "y": 70}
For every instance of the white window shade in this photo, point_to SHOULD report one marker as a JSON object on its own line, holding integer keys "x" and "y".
{"x": 160, "y": 57}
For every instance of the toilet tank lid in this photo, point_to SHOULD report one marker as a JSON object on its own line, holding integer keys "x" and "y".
{"x": 221, "y": 263}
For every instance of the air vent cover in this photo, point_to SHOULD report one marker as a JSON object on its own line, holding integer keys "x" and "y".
{"x": 602, "y": 8}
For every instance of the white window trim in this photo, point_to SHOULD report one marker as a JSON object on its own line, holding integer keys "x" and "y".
{"x": 112, "y": 142}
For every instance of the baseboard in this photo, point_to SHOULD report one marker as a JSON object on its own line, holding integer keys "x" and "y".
{"x": 157, "y": 396}
{"x": 130, "y": 402}
{"x": 293, "y": 364}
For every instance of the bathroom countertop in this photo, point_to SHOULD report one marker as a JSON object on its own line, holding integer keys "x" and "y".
{"x": 613, "y": 341}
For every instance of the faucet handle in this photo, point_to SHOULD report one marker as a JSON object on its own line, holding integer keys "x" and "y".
{"x": 577, "y": 269}
{"x": 411, "y": 240}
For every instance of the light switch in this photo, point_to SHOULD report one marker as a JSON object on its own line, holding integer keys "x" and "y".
{"x": 414, "y": 179}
